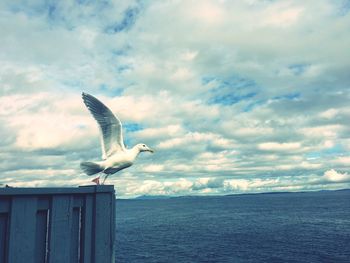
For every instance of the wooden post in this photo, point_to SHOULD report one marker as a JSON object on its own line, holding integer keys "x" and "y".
{"x": 44, "y": 225}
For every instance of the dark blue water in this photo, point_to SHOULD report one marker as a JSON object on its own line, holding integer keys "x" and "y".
{"x": 294, "y": 227}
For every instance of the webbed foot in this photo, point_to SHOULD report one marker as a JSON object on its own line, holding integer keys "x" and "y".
{"x": 96, "y": 180}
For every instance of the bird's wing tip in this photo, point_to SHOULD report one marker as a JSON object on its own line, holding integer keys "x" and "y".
{"x": 85, "y": 96}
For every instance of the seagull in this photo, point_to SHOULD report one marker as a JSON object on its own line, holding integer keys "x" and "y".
{"x": 115, "y": 156}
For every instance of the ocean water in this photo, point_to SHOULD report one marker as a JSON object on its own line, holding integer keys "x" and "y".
{"x": 281, "y": 227}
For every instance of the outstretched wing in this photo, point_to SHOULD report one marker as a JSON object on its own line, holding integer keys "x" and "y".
{"x": 110, "y": 125}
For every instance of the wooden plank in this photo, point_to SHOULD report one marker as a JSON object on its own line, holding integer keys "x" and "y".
{"x": 103, "y": 226}
{"x": 75, "y": 236}
{"x": 57, "y": 224}
{"x": 113, "y": 225}
{"x": 3, "y": 236}
{"x": 22, "y": 230}
{"x": 41, "y": 236}
{"x": 60, "y": 228}
{"x": 78, "y": 200}
{"x": 104, "y": 188}
{"x": 44, "y": 202}
{"x": 5, "y": 205}
{"x": 57, "y": 191}
{"x": 86, "y": 228}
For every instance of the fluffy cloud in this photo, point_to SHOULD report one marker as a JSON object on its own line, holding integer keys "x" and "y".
{"x": 236, "y": 96}
{"x": 197, "y": 138}
{"x": 274, "y": 146}
{"x": 334, "y": 176}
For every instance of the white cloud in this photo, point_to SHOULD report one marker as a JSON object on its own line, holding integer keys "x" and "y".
{"x": 342, "y": 160}
{"x": 282, "y": 14}
{"x": 197, "y": 138}
{"x": 161, "y": 132}
{"x": 275, "y": 146}
{"x": 153, "y": 168}
{"x": 253, "y": 131}
{"x": 41, "y": 125}
{"x": 334, "y": 176}
{"x": 181, "y": 74}
{"x": 236, "y": 185}
{"x": 326, "y": 131}
{"x": 208, "y": 13}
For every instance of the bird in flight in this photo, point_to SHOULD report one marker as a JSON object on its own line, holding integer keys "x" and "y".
{"x": 115, "y": 156}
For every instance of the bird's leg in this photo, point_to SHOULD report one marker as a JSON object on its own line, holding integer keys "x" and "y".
{"x": 96, "y": 181}
{"x": 104, "y": 179}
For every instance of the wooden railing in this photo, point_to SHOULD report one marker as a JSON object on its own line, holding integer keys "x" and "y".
{"x": 54, "y": 225}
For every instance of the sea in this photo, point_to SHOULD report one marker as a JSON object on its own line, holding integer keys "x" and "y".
{"x": 271, "y": 227}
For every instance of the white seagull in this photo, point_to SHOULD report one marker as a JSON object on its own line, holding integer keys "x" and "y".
{"x": 115, "y": 156}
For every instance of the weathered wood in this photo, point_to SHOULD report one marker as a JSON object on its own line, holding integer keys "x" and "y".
{"x": 78, "y": 201}
{"x": 5, "y": 204}
{"x": 46, "y": 225}
{"x": 113, "y": 225}
{"x": 103, "y": 236}
{"x": 44, "y": 202}
{"x": 22, "y": 230}
{"x": 3, "y": 236}
{"x": 75, "y": 236}
{"x": 87, "y": 229}
{"x": 41, "y": 236}
{"x": 91, "y": 189}
{"x": 60, "y": 229}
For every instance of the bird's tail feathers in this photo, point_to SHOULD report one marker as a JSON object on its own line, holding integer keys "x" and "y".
{"x": 91, "y": 168}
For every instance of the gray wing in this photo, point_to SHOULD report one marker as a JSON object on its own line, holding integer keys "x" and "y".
{"x": 110, "y": 126}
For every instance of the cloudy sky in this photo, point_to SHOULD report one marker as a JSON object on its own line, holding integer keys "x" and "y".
{"x": 234, "y": 96}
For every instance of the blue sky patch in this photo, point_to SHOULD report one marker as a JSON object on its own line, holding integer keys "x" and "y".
{"x": 230, "y": 99}
{"x": 231, "y": 91}
{"x": 132, "y": 127}
{"x": 335, "y": 150}
{"x": 344, "y": 8}
{"x": 290, "y": 96}
{"x": 129, "y": 19}
{"x": 313, "y": 155}
{"x": 30, "y": 10}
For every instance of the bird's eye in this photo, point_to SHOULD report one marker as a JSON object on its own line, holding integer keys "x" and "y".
{"x": 144, "y": 145}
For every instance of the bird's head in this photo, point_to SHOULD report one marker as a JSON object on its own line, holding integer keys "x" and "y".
{"x": 144, "y": 148}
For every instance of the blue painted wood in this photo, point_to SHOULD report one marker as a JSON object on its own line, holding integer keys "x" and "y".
{"x": 3, "y": 236}
{"x": 112, "y": 226}
{"x": 91, "y": 189}
{"x": 103, "y": 236}
{"x": 41, "y": 236}
{"x": 60, "y": 229}
{"x": 22, "y": 230}
{"x": 4, "y": 204}
{"x": 44, "y": 202}
{"x": 75, "y": 236}
{"x": 78, "y": 201}
{"x": 87, "y": 229}
{"x": 57, "y": 225}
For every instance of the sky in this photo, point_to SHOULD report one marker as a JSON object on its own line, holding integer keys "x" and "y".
{"x": 234, "y": 96}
